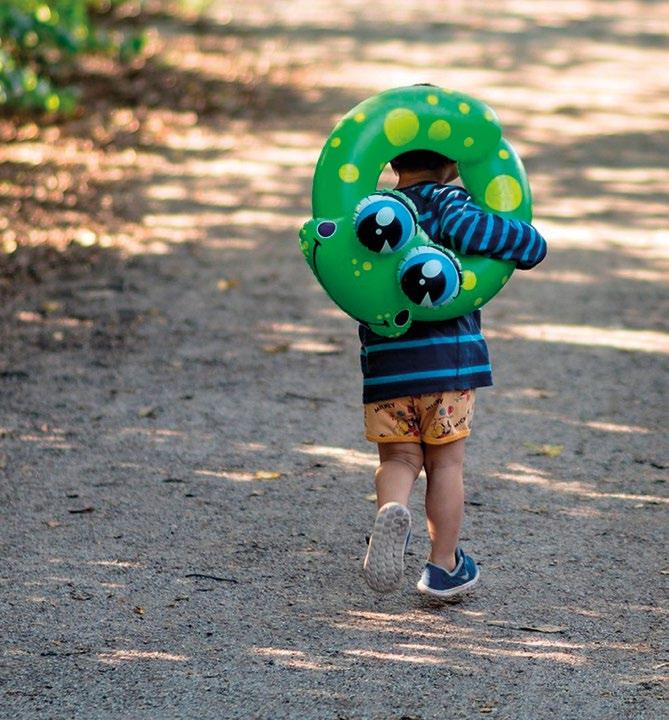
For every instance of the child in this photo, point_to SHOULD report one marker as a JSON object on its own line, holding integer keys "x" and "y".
{"x": 418, "y": 414}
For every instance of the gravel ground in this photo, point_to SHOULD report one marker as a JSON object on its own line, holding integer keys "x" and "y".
{"x": 185, "y": 490}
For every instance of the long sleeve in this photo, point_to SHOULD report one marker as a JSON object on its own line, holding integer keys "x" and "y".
{"x": 470, "y": 230}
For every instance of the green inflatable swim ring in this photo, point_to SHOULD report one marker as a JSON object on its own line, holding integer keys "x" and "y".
{"x": 383, "y": 286}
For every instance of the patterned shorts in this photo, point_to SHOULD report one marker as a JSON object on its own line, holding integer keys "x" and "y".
{"x": 433, "y": 418}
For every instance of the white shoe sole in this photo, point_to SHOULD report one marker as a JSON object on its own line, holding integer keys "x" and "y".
{"x": 384, "y": 564}
{"x": 422, "y": 588}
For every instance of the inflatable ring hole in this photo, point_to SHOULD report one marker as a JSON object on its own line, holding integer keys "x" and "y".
{"x": 387, "y": 178}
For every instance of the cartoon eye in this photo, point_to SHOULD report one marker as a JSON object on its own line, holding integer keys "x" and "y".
{"x": 326, "y": 228}
{"x": 430, "y": 277}
{"x": 383, "y": 223}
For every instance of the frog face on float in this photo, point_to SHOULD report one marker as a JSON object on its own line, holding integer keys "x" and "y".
{"x": 366, "y": 247}
{"x": 388, "y": 259}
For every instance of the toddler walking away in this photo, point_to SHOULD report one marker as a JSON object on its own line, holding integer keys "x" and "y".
{"x": 419, "y": 390}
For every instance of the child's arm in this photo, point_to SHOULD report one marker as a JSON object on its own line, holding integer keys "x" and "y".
{"x": 470, "y": 230}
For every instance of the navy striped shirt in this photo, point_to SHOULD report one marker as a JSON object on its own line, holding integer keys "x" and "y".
{"x": 448, "y": 354}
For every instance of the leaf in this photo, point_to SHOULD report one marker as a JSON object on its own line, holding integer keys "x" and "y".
{"x": 51, "y": 306}
{"x": 276, "y": 349}
{"x": 267, "y": 474}
{"x": 547, "y": 450}
{"x": 225, "y": 284}
{"x": 147, "y": 411}
{"x": 138, "y": 610}
{"x": 371, "y": 497}
{"x": 52, "y": 523}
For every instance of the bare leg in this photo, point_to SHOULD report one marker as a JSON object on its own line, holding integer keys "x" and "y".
{"x": 444, "y": 499}
{"x": 400, "y": 464}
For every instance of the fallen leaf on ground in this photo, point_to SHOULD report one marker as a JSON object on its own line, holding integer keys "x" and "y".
{"x": 267, "y": 475}
{"x": 138, "y": 610}
{"x": 547, "y": 450}
{"x": 225, "y": 284}
{"x": 147, "y": 411}
{"x": 51, "y": 306}
{"x": 371, "y": 497}
{"x": 52, "y": 523}
{"x": 275, "y": 349}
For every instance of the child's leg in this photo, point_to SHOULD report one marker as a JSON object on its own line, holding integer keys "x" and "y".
{"x": 400, "y": 464}
{"x": 444, "y": 499}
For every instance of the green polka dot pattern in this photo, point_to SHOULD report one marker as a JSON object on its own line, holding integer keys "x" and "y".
{"x": 365, "y": 283}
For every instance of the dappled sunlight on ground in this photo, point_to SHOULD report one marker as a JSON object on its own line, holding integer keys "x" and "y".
{"x": 118, "y": 656}
{"x": 524, "y": 475}
{"x": 630, "y": 340}
{"x": 346, "y": 456}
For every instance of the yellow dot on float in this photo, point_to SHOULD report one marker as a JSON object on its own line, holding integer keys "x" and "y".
{"x": 401, "y": 126}
{"x": 387, "y": 315}
{"x": 432, "y": 99}
{"x": 335, "y": 142}
{"x": 367, "y": 266}
{"x": 354, "y": 261}
{"x": 305, "y": 245}
{"x": 349, "y": 173}
{"x": 504, "y": 154}
{"x": 448, "y": 91}
{"x": 469, "y": 141}
{"x": 357, "y": 273}
{"x": 504, "y": 279}
{"x": 464, "y": 108}
{"x": 379, "y": 317}
{"x": 478, "y": 301}
{"x": 359, "y": 117}
{"x": 503, "y": 193}
{"x": 439, "y": 130}
{"x": 468, "y": 280}
{"x": 488, "y": 115}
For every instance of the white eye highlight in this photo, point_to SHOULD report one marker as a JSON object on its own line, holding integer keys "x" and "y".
{"x": 385, "y": 216}
{"x": 431, "y": 269}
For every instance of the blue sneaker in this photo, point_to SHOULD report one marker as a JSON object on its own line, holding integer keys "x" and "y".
{"x": 383, "y": 567}
{"x": 439, "y": 582}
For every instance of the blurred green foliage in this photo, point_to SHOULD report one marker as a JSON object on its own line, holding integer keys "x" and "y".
{"x": 39, "y": 41}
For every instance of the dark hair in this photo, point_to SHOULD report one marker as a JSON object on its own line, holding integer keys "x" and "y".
{"x": 419, "y": 160}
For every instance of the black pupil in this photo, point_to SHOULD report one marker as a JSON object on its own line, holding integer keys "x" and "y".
{"x": 325, "y": 229}
{"x": 415, "y": 285}
{"x": 374, "y": 240}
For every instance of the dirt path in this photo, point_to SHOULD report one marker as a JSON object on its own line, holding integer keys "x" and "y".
{"x": 185, "y": 490}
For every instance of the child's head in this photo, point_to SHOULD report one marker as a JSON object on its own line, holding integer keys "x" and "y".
{"x": 425, "y": 161}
